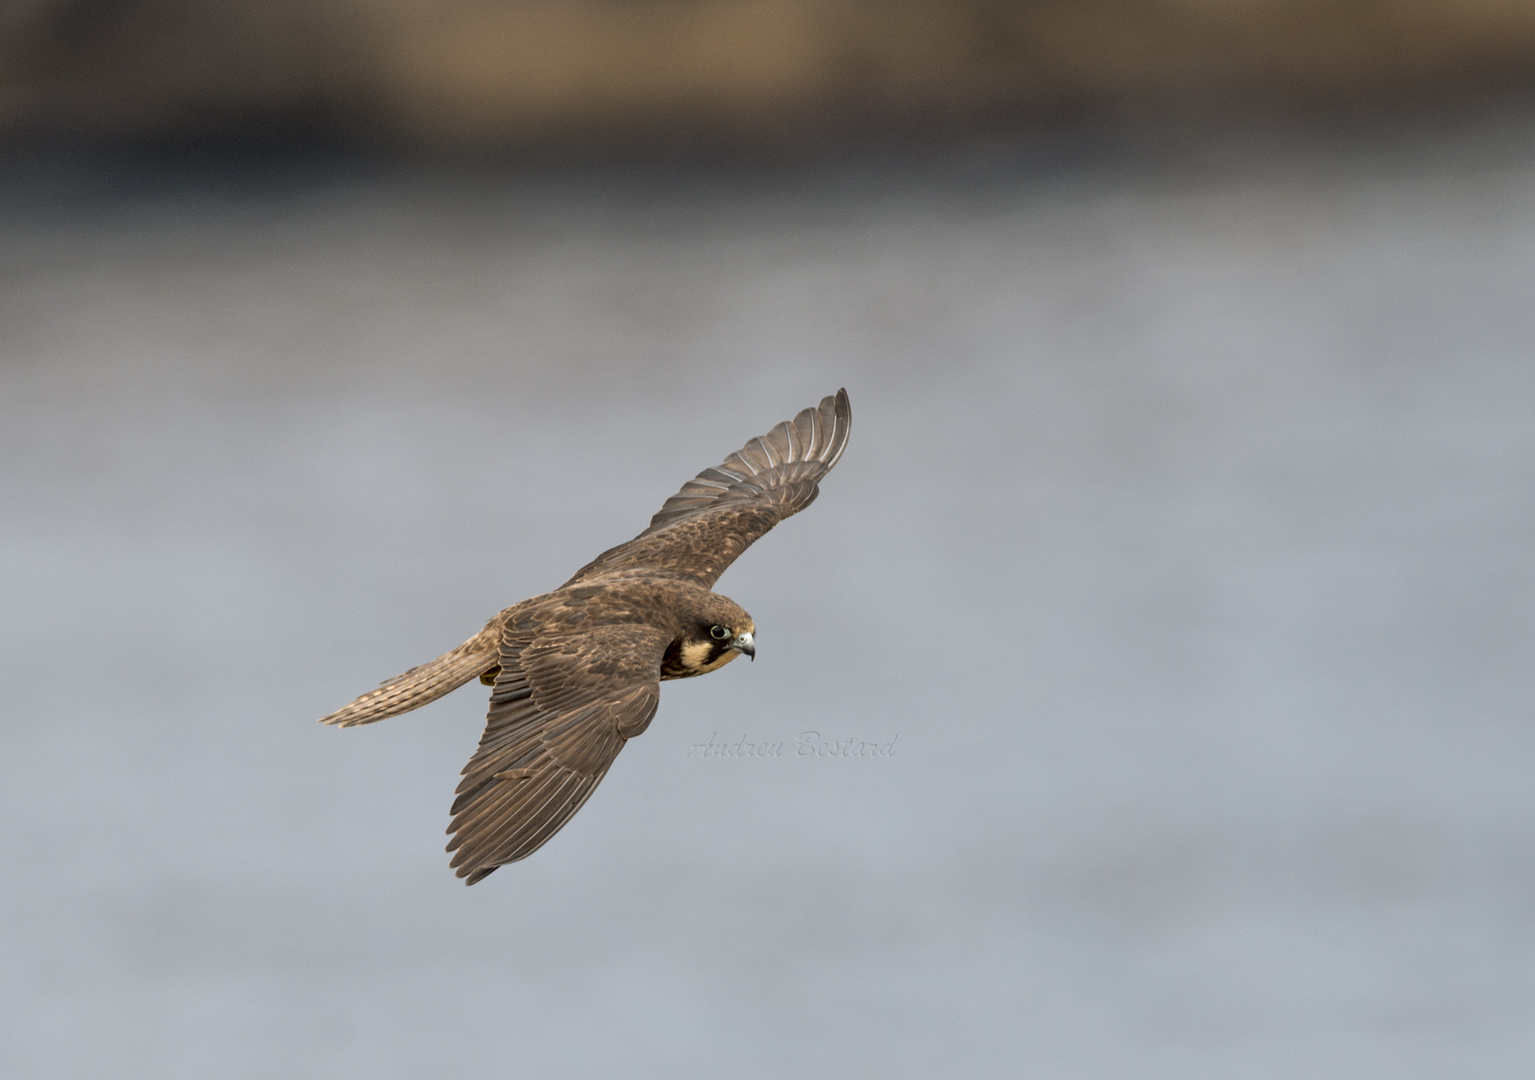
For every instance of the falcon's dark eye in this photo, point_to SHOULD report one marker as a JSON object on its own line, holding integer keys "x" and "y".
{"x": 718, "y": 633}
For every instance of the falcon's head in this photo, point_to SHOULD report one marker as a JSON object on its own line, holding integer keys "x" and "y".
{"x": 713, "y": 634}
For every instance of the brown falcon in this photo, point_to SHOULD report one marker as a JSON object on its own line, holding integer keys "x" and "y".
{"x": 577, "y": 672}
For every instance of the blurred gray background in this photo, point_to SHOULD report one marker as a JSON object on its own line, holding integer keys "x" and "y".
{"x": 1181, "y": 549}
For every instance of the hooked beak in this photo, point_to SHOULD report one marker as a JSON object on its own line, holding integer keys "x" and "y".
{"x": 743, "y": 644}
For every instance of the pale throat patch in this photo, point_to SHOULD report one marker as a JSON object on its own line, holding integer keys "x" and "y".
{"x": 695, "y": 653}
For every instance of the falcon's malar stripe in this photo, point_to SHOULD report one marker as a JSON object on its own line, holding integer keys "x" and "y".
{"x": 696, "y": 656}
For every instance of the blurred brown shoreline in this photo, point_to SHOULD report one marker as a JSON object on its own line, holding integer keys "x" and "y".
{"x": 471, "y": 75}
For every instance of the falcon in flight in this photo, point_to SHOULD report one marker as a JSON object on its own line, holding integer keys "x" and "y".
{"x": 577, "y": 672}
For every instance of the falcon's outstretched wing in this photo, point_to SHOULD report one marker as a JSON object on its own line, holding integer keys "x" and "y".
{"x": 703, "y": 528}
{"x": 561, "y": 711}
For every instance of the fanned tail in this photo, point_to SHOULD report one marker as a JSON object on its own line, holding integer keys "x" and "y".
{"x": 422, "y": 684}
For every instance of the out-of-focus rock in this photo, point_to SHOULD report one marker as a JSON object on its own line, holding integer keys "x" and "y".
{"x": 460, "y": 74}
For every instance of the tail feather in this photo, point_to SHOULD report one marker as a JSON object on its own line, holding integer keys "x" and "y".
{"x": 422, "y": 684}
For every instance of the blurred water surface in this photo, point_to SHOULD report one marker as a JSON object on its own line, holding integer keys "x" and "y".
{"x": 1182, "y": 550}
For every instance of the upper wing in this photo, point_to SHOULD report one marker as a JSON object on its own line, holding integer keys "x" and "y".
{"x": 561, "y": 711}
{"x": 703, "y": 528}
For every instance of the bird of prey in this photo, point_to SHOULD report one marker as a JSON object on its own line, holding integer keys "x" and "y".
{"x": 577, "y": 672}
